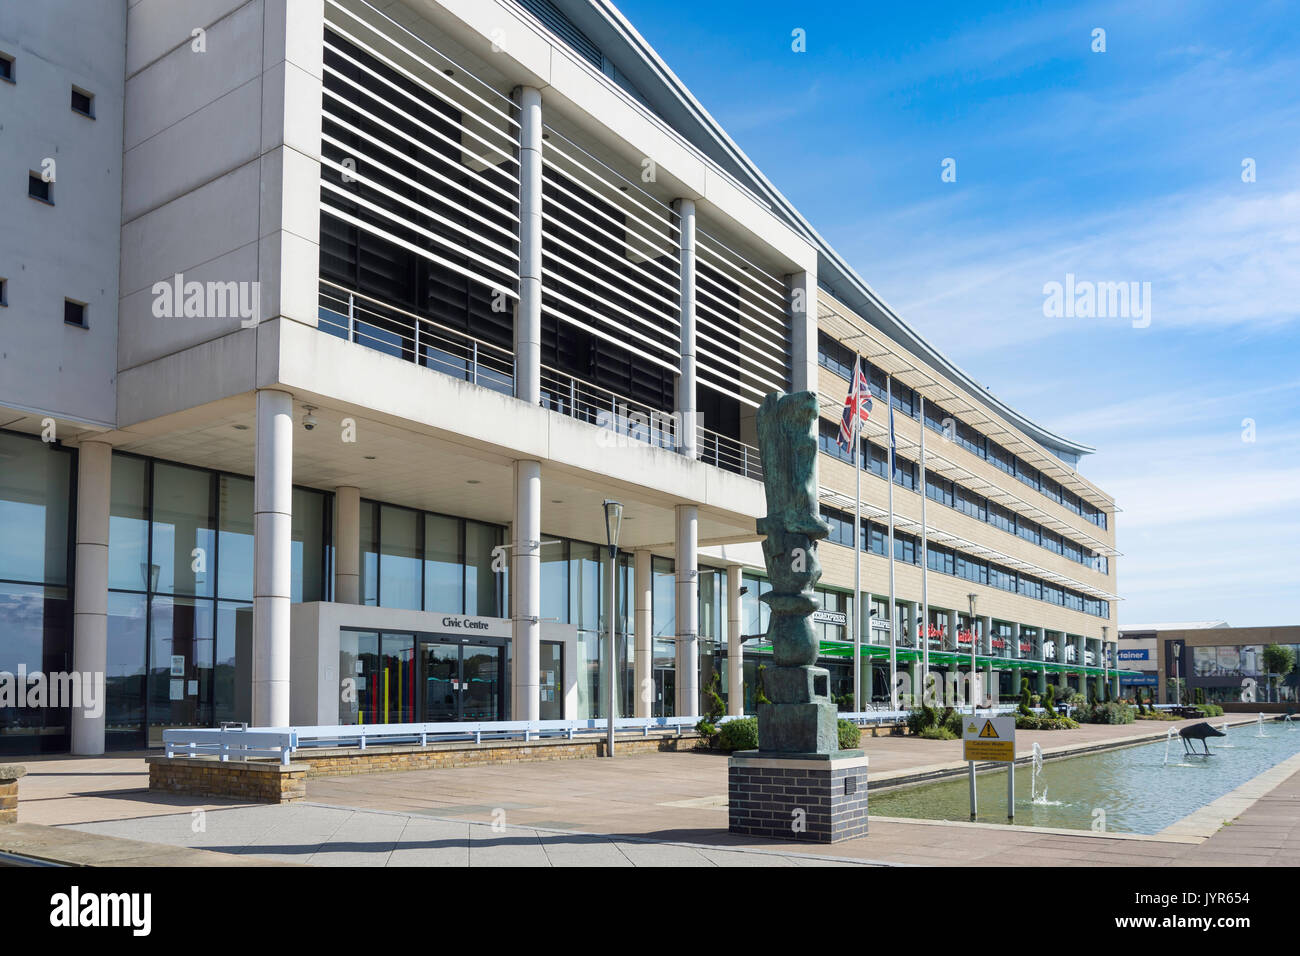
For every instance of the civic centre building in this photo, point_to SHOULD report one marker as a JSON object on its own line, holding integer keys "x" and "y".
{"x": 326, "y": 326}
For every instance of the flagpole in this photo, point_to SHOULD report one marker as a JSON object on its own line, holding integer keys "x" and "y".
{"x": 857, "y": 543}
{"x": 893, "y": 613}
{"x": 925, "y": 565}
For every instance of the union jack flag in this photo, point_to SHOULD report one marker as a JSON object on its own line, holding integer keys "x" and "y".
{"x": 856, "y": 406}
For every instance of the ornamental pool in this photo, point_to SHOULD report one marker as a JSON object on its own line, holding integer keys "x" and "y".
{"x": 1135, "y": 788}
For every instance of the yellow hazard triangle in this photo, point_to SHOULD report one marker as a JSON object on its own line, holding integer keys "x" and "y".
{"x": 988, "y": 730}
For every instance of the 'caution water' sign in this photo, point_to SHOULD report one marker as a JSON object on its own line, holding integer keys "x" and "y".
{"x": 989, "y": 739}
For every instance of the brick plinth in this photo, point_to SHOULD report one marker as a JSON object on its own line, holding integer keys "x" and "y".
{"x": 251, "y": 781}
{"x": 814, "y": 799}
{"x": 9, "y": 776}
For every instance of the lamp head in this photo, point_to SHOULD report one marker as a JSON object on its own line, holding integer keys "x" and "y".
{"x": 613, "y": 520}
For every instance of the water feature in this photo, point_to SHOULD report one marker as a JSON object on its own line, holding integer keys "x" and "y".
{"x": 1260, "y": 724}
{"x": 1225, "y": 743}
{"x": 1136, "y": 788}
{"x": 1290, "y": 725}
{"x": 1036, "y": 798}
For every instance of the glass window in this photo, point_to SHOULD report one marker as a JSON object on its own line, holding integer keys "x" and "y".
{"x": 34, "y": 500}
{"x": 555, "y": 580}
{"x": 481, "y": 582}
{"x": 232, "y": 670}
{"x": 128, "y": 525}
{"x": 585, "y": 577}
{"x": 235, "y": 538}
{"x": 552, "y": 681}
{"x": 124, "y": 681}
{"x": 400, "y": 571}
{"x": 443, "y": 573}
{"x": 309, "y": 534}
{"x": 370, "y": 553}
{"x": 184, "y": 530}
{"x": 37, "y": 636}
{"x": 664, "y": 585}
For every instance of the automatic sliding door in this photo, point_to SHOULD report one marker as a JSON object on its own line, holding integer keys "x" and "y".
{"x": 480, "y": 683}
{"x": 440, "y": 673}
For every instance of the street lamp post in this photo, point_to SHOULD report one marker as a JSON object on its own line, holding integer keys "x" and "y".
{"x": 972, "y": 598}
{"x": 613, "y": 521}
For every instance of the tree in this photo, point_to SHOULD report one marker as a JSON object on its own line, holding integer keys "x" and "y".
{"x": 1278, "y": 662}
{"x": 707, "y": 727}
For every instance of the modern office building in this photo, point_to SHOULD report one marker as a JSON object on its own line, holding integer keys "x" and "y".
{"x": 328, "y": 325}
{"x": 1212, "y": 662}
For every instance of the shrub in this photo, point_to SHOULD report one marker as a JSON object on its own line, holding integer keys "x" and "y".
{"x": 1048, "y": 697}
{"x": 1141, "y": 706}
{"x": 1108, "y": 713}
{"x": 759, "y": 696}
{"x": 1035, "y": 722}
{"x": 1024, "y": 697}
{"x": 850, "y": 735}
{"x": 921, "y": 718}
{"x": 937, "y": 733}
{"x": 707, "y": 727}
{"x": 951, "y": 721}
{"x": 739, "y": 734}
{"x": 1212, "y": 710}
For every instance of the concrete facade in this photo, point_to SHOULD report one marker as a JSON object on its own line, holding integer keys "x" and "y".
{"x": 202, "y": 245}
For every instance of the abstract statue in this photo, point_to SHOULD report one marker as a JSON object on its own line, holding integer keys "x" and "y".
{"x": 801, "y": 717}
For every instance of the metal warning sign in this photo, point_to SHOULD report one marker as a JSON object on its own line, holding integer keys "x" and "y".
{"x": 987, "y": 739}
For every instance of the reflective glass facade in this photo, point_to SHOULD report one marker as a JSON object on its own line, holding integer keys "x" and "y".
{"x": 180, "y": 602}
{"x": 36, "y": 482}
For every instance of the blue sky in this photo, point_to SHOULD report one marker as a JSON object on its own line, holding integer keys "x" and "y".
{"x": 1118, "y": 166}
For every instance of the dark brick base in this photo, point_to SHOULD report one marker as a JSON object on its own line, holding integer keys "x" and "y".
{"x": 818, "y": 799}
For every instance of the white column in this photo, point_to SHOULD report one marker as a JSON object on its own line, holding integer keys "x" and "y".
{"x": 735, "y": 643}
{"x": 528, "y": 313}
{"x": 803, "y": 331}
{"x": 272, "y": 557}
{"x": 688, "y": 611}
{"x": 643, "y": 626}
{"x": 90, "y": 592}
{"x": 526, "y": 591}
{"x": 687, "y": 401}
{"x": 347, "y": 547}
{"x": 953, "y": 627}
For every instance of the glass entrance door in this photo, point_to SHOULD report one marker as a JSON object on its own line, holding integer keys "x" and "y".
{"x": 480, "y": 677}
{"x": 665, "y": 702}
{"x": 440, "y": 666}
{"x": 461, "y": 681}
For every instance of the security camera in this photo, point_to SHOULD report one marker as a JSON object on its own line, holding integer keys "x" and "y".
{"x": 309, "y": 420}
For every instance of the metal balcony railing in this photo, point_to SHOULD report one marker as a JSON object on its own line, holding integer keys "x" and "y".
{"x": 367, "y": 321}
{"x": 729, "y": 453}
{"x": 397, "y": 332}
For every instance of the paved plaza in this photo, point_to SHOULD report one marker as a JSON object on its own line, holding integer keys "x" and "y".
{"x": 665, "y": 809}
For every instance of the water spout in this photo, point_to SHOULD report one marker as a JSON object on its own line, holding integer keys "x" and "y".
{"x": 1290, "y": 724}
{"x": 1260, "y": 723}
{"x": 1168, "y": 740}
